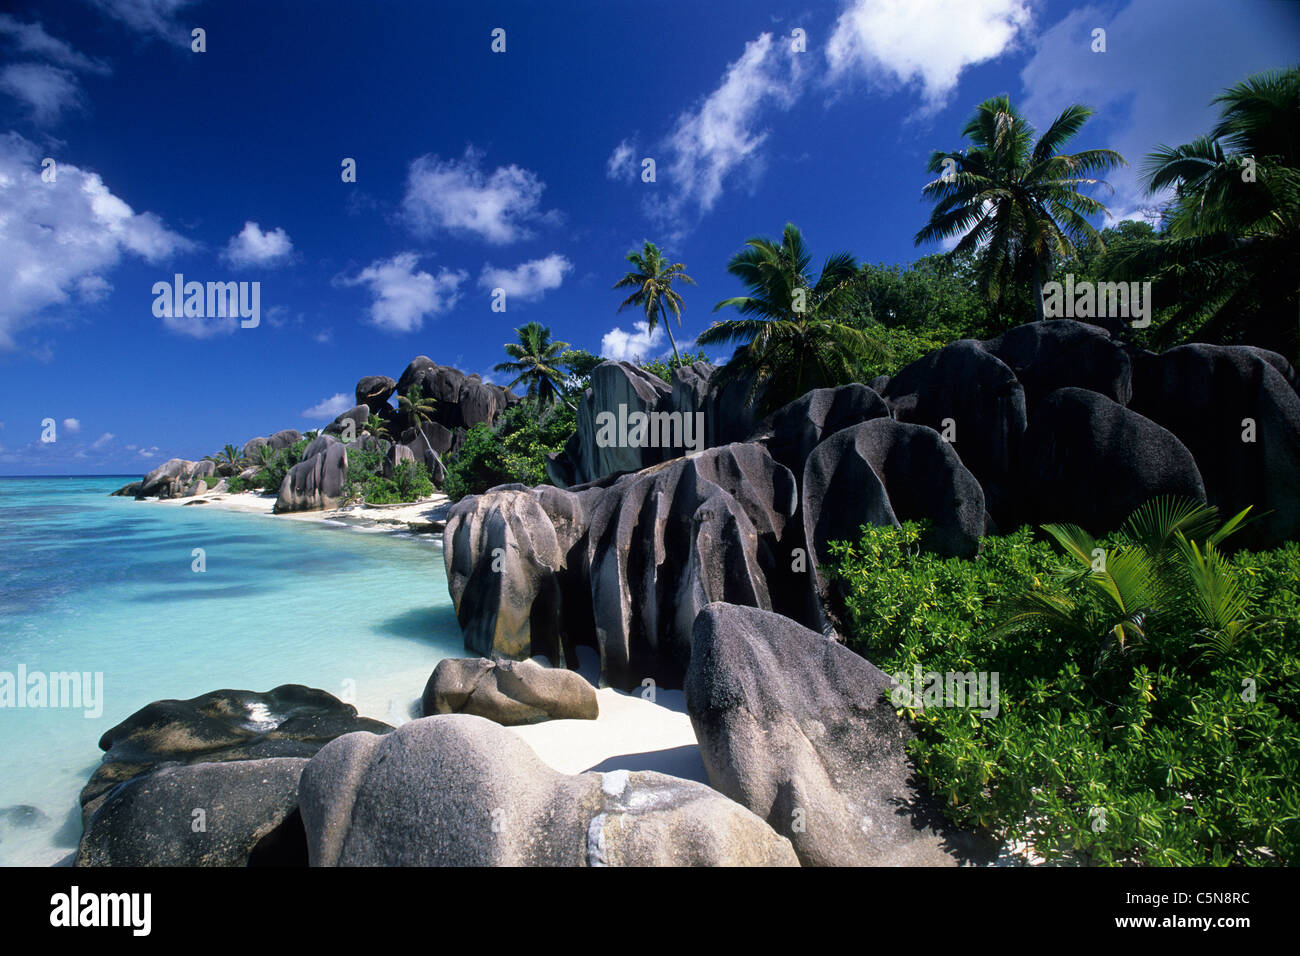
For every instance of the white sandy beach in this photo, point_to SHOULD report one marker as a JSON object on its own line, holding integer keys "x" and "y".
{"x": 400, "y": 517}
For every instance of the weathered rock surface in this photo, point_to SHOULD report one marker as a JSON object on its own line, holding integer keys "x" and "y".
{"x": 968, "y": 394}
{"x": 202, "y": 814}
{"x": 288, "y": 721}
{"x": 1092, "y": 462}
{"x": 1208, "y": 395}
{"x": 358, "y": 415}
{"x": 316, "y": 482}
{"x": 175, "y": 478}
{"x": 375, "y": 391}
{"x": 792, "y": 432}
{"x": 795, "y": 727}
{"x": 665, "y": 542}
{"x": 1063, "y": 353}
{"x": 459, "y": 790}
{"x": 508, "y": 692}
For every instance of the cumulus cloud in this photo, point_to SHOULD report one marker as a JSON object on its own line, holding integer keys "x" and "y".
{"x": 329, "y": 408}
{"x": 402, "y": 295}
{"x": 721, "y": 137}
{"x": 633, "y": 346}
{"x": 253, "y": 247}
{"x": 622, "y": 163}
{"x": 71, "y": 425}
{"x": 929, "y": 43}
{"x": 528, "y": 280}
{"x": 60, "y": 238}
{"x": 458, "y": 197}
{"x": 151, "y": 17}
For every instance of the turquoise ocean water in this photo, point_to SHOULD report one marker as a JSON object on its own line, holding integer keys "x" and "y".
{"x": 93, "y": 584}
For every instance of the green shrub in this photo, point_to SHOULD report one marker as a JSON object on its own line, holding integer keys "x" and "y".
{"x": 365, "y": 480}
{"x": 515, "y": 450}
{"x": 211, "y": 480}
{"x": 1165, "y": 754}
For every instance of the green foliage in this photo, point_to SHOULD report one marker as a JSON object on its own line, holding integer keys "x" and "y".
{"x": 537, "y": 362}
{"x": 1167, "y": 755}
{"x": 515, "y": 450}
{"x": 664, "y": 369}
{"x": 211, "y": 480}
{"x": 277, "y": 464}
{"x": 651, "y": 281}
{"x": 366, "y": 482}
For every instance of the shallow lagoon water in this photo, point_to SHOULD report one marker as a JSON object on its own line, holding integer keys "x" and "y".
{"x": 90, "y": 583}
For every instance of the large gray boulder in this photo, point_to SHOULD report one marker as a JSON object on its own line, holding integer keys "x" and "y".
{"x": 508, "y": 692}
{"x": 1208, "y": 396}
{"x": 375, "y": 391}
{"x": 203, "y": 814}
{"x": 284, "y": 438}
{"x": 503, "y": 560}
{"x": 882, "y": 473}
{"x": 967, "y": 393}
{"x": 224, "y": 725}
{"x": 620, "y": 389}
{"x": 459, "y": 790}
{"x": 175, "y": 478}
{"x": 1063, "y": 353}
{"x": 797, "y": 729}
{"x": 666, "y": 541}
{"x": 1092, "y": 462}
{"x": 792, "y": 432}
{"x": 358, "y": 415}
{"x": 315, "y": 483}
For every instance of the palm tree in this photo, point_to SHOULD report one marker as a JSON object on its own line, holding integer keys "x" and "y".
{"x": 653, "y": 278}
{"x": 792, "y": 329}
{"x": 537, "y": 362}
{"x": 228, "y": 460}
{"x": 1015, "y": 200}
{"x": 377, "y": 427}
{"x": 417, "y": 408}
{"x": 1231, "y": 244}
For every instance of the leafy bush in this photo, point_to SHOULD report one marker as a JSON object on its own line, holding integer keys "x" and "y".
{"x": 211, "y": 480}
{"x": 664, "y": 368}
{"x": 515, "y": 450}
{"x": 1165, "y": 753}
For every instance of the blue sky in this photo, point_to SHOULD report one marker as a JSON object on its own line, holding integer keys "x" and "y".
{"x": 479, "y": 170}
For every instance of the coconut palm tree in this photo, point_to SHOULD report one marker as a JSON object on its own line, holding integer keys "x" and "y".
{"x": 652, "y": 277}
{"x": 416, "y": 408}
{"x": 537, "y": 362}
{"x": 791, "y": 327}
{"x": 1017, "y": 200}
{"x": 1230, "y": 252}
{"x": 377, "y": 427}
{"x": 229, "y": 461}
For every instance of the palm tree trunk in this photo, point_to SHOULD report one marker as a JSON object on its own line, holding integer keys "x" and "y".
{"x": 669, "y": 329}
{"x": 1039, "y": 308}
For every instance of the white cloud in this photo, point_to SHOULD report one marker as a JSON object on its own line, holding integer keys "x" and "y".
{"x": 102, "y": 441}
{"x": 456, "y": 196}
{"x": 528, "y": 280}
{"x": 253, "y": 247}
{"x": 149, "y": 452}
{"x": 720, "y": 137}
{"x": 926, "y": 42}
{"x": 1141, "y": 87}
{"x": 403, "y": 296}
{"x": 59, "y": 239}
{"x": 157, "y": 17}
{"x": 71, "y": 425}
{"x": 329, "y": 408}
{"x": 45, "y": 90}
{"x": 632, "y": 346}
{"x": 32, "y": 39}
{"x": 621, "y": 163}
